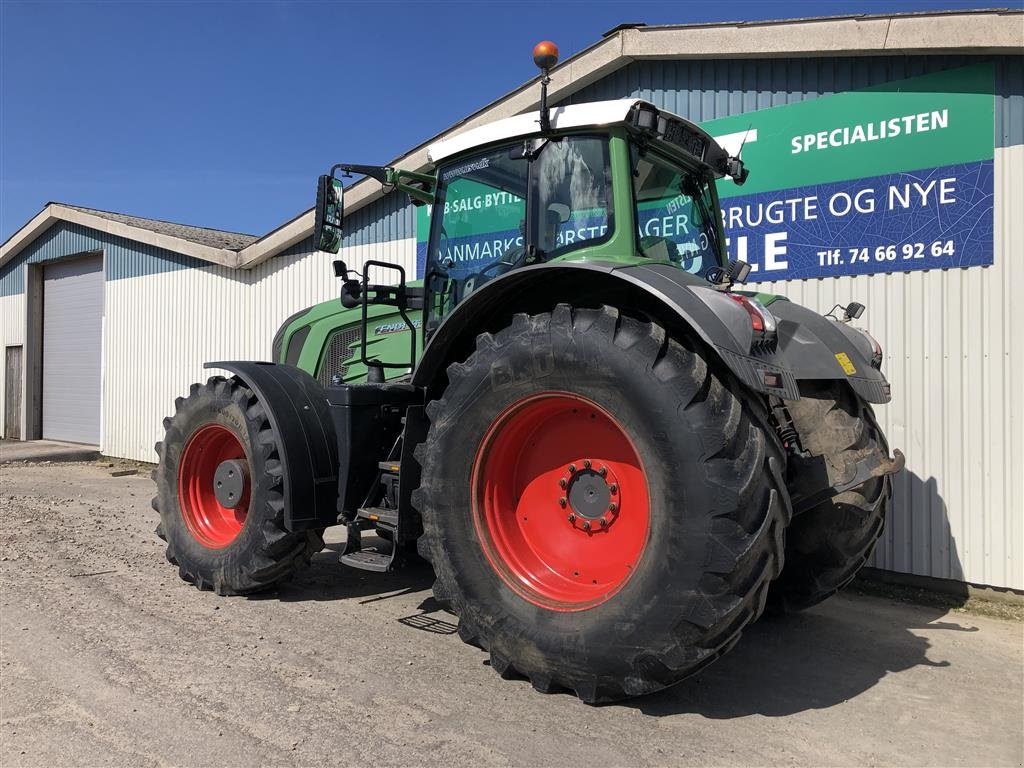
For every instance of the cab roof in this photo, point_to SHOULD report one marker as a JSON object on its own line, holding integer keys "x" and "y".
{"x": 593, "y": 114}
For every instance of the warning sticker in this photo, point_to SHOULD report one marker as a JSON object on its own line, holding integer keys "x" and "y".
{"x": 846, "y": 363}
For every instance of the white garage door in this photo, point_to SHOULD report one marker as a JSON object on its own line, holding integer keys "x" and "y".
{"x": 72, "y": 345}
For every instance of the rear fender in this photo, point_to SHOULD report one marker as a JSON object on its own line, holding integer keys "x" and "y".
{"x": 681, "y": 301}
{"x": 298, "y": 412}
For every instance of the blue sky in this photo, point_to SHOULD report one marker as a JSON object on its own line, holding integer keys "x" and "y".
{"x": 222, "y": 114}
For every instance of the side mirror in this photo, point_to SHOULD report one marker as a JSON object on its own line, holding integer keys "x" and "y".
{"x": 351, "y": 293}
{"x": 330, "y": 210}
{"x": 735, "y": 168}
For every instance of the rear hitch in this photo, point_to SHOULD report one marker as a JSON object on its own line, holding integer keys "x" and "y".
{"x": 865, "y": 469}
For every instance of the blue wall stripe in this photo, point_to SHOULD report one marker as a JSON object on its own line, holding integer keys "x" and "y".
{"x": 392, "y": 217}
{"x": 125, "y": 258}
{"x": 702, "y": 90}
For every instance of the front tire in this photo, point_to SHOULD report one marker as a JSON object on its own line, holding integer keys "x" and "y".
{"x": 239, "y": 546}
{"x": 827, "y": 545}
{"x": 512, "y": 466}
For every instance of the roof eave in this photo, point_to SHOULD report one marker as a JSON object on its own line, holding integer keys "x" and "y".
{"x": 55, "y": 212}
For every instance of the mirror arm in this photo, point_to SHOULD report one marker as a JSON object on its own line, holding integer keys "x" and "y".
{"x": 378, "y": 172}
{"x": 416, "y": 192}
{"x": 398, "y": 175}
{"x": 421, "y": 189}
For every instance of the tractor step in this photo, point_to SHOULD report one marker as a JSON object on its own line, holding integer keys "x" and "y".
{"x": 379, "y": 515}
{"x": 367, "y": 560}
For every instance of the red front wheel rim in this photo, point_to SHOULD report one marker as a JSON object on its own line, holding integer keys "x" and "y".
{"x": 210, "y": 523}
{"x": 560, "y": 501}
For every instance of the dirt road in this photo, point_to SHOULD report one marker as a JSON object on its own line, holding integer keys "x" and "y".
{"x": 106, "y": 658}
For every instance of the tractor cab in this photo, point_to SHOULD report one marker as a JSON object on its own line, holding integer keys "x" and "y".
{"x": 616, "y": 182}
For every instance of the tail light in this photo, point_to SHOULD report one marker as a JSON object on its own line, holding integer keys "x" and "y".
{"x": 876, "y": 349}
{"x": 762, "y": 322}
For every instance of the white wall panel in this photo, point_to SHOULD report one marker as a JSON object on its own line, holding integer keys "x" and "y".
{"x": 12, "y": 334}
{"x": 161, "y": 328}
{"x": 953, "y": 353}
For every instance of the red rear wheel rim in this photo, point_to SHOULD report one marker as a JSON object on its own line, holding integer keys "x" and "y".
{"x": 560, "y": 501}
{"x": 211, "y": 524}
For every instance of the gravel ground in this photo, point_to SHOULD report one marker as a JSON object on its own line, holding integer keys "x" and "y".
{"x": 107, "y": 658}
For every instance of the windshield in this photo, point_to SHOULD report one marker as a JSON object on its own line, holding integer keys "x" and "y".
{"x": 486, "y": 221}
{"x": 675, "y": 215}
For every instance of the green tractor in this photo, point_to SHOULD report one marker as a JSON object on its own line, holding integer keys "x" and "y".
{"x": 611, "y": 456}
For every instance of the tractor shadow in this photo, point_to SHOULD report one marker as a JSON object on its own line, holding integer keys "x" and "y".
{"x": 781, "y": 665}
{"x": 813, "y": 660}
{"x": 326, "y": 579}
{"x": 842, "y": 647}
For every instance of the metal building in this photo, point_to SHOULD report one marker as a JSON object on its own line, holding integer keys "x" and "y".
{"x": 106, "y": 318}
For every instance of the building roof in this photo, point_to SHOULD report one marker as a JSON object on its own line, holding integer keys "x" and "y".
{"x": 215, "y": 238}
{"x": 988, "y": 31}
{"x": 212, "y": 245}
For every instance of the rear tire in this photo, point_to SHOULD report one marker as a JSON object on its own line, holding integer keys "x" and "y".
{"x": 827, "y": 545}
{"x": 705, "y": 476}
{"x": 231, "y": 551}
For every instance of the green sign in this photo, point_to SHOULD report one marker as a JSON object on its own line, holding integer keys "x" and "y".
{"x": 934, "y": 120}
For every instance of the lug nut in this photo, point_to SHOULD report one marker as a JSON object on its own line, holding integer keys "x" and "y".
{"x": 604, "y": 522}
{"x": 613, "y": 488}
{"x": 572, "y": 469}
{"x": 572, "y": 518}
{"x": 562, "y": 483}
{"x": 562, "y": 502}
{"x": 586, "y": 525}
{"x": 586, "y": 463}
{"x": 612, "y": 507}
{"x": 603, "y": 471}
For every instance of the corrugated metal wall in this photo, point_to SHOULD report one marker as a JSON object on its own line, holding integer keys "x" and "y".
{"x": 953, "y": 353}
{"x": 160, "y": 329}
{"x": 166, "y": 314}
{"x": 702, "y": 90}
{"x": 392, "y": 217}
{"x": 953, "y": 348}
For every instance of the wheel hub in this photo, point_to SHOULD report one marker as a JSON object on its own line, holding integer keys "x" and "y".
{"x": 564, "y": 530}
{"x": 591, "y": 495}
{"x": 213, "y": 485}
{"x": 231, "y": 483}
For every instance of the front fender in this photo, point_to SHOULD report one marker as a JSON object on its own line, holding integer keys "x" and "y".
{"x": 817, "y": 348}
{"x": 298, "y": 412}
